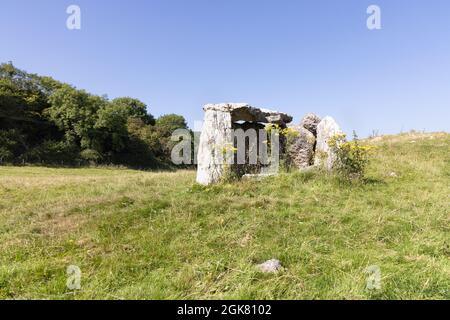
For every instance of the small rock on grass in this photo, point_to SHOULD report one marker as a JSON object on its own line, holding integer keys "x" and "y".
{"x": 393, "y": 174}
{"x": 270, "y": 266}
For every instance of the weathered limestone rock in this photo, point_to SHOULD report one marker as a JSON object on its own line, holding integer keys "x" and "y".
{"x": 310, "y": 122}
{"x": 245, "y": 112}
{"x": 301, "y": 151}
{"x": 270, "y": 266}
{"x": 217, "y": 134}
{"x": 324, "y": 155}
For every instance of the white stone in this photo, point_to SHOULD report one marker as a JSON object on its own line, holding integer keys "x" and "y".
{"x": 326, "y": 129}
{"x": 270, "y": 266}
{"x": 216, "y": 135}
{"x": 393, "y": 174}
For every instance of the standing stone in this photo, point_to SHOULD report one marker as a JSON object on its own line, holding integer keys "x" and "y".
{"x": 216, "y": 134}
{"x": 325, "y": 156}
{"x": 301, "y": 151}
{"x": 310, "y": 122}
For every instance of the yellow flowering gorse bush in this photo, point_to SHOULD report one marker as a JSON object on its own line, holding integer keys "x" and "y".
{"x": 352, "y": 157}
{"x": 286, "y": 132}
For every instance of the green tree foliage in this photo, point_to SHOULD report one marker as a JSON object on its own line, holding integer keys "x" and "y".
{"x": 11, "y": 142}
{"x": 23, "y": 98}
{"x": 164, "y": 127}
{"x": 170, "y": 122}
{"x": 134, "y": 108}
{"x": 44, "y": 120}
{"x": 75, "y": 113}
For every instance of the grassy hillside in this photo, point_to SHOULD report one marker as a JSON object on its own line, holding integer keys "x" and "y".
{"x": 158, "y": 235}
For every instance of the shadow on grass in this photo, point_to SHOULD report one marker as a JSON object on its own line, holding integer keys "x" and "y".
{"x": 157, "y": 168}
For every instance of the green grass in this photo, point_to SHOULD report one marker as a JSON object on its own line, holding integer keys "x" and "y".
{"x": 143, "y": 235}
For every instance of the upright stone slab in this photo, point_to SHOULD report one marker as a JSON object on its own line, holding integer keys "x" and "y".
{"x": 301, "y": 152}
{"x": 326, "y": 129}
{"x": 216, "y": 134}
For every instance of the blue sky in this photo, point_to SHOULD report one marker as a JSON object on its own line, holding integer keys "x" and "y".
{"x": 296, "y": 56}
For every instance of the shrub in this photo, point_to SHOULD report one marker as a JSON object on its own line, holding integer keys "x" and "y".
{"x": 93, "y": 156}
{"x": 352, "y": 158}
{"x": 11, "y": 143}
{"x": 53, "y": 152}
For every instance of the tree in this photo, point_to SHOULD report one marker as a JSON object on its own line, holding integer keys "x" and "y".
{"x": 75, "y": 113}
{"x": 164, "y": 127}
{"x": 23, "y": 97}
{"x": 42, "y": 119}
{"x": 167, "y": 124}
{"x": 11, "y": 141}
{"x": 135, "y": 109}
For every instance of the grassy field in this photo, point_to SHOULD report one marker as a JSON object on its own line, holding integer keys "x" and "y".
{"x": 144, "y": 235}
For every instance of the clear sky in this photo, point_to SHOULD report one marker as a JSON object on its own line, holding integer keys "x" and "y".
{"x": 295, "y": 56}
